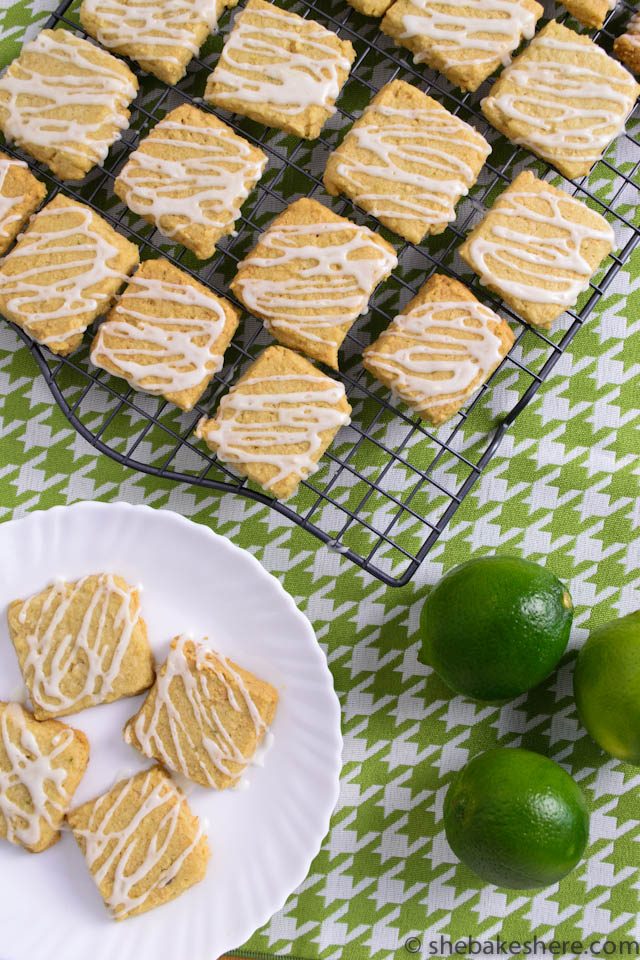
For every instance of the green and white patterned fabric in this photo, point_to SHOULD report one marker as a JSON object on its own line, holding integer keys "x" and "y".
{"x": 563, "y": 490}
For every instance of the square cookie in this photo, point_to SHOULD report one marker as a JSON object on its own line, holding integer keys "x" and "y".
{"x": 563, "y": 98}
{"x": 204, "y": 717}
{"x": 160, "y": 35}
{"x": 277, "y": 421}
{"x": 465, "y": 41}
{"x": 143, "y": 845}
{"x": 280, "y": 69}
{"x": 81, "y": 643}
{"x": 41, "y": 765}
{"x": 20, "y": 195}
{"x": 627, "y": 46}
{"x": 440, "y": 349}
{"x": 592, "y": 13}
{"x": 538, "y": 248}
{"x": 190, "y": 177}
{"x": 407, "y": 161}
{"x": 64, "y": 271}
{"x": 371, "y": 8}
{"x": 310, "y": 275}
{"x": 65, "y": 101}
{"x": 166, "y": 335}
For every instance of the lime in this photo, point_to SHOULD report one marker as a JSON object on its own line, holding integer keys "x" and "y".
{"x": 516, "y": 818}
{"x": 495, "y": 627}
{"x": 607, "y": 687}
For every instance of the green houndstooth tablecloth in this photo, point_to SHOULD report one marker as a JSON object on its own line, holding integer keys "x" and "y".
{"x": 563, "y": 490}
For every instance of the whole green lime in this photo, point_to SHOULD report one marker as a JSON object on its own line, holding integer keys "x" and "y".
{"x": 495, "y": 627}
{"x": 606, "y": 685}
{"x": 516, "y": 818}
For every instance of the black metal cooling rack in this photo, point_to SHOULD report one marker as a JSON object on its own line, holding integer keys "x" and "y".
{"x": 389, "y": 484}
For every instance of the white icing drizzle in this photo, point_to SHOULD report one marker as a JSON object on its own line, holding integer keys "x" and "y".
{"x": 174, "y": 348}
{"x": 287, "y": 418}
{"x": 54, "y": 653}
{"x": 85, "y": 85}
{"x": 36, "y": 771}
{"x": 116, "y": 849}
{"x": 632, "y": 32}
{"x": 206, "y": 190}
{"x": 556, "y": 259}
{"x": 8, "y": 204}
{"x": 165, "y": 24}
{"x": 217, "y": 748}
{"x": 454, "y": 33}
{"x": 37, "y": 296}
{"x": 442, "y": 358}
{"x": 418, "y": 156}
{"x": 572, "y": 111}
{"x": 298, "y": 63}
{"x": 336, "y": 282}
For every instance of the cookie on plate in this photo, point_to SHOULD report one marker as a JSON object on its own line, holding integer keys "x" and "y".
{"x": 277, "y": 421}
{"x": 190, "y": 177}
{"x": 81, "y": 643}
{"x": 407, "y": 161}
{"x": 563, "y": 98}
{"x": 63, "y": 272}
{"x": 65, "y": 101}
{"x": 538, "y": 248}
{"x": 143, "y": 845}
{"x": 160, "y": 35}
{"x": 627, "y": 46}
{"x": 20, "y": 195}
{"x": 280, "y": 69}
{"x": 204, "y": 717}
{"x": 41, "y": 765}
{"x": 465, "y": 41}
{"x": 310, "y": 275}
{"x": 166, "y": 335}
{"x": 442, "y": 347}
{"x": 592, "y": 13}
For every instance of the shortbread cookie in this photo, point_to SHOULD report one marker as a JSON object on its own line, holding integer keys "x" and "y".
{"x": 371, "y": 8}
{"x": 407, "y": 161}
{"x": 204, "y": 717}
{"x": 281, "y": 70}
{"x": 465, "y": 41}
{"x": 160, "y": 35}
{"x": 563, "y": 98}
{"x": 64, "y": 271}
{"x": 81, "y": 643}
{"x": 65, "y": 101}
{"x": 627, "y": 46}
{"x": 592, "y": 13}
{"x": 20, "y": 195}
{"x": 277, "y": 421}
{"x": 310, "y": 275}
{"x": 41, "y": 765}
{"x": 440, "y": 349}
{"x": 190, "y": 177}
{"x": 538, "y": 248}
{"x": 166, "y": 335}
{"x": 143, "y": 845}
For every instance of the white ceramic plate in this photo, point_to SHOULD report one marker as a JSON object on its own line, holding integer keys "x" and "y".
{"x": 263, "y": 838}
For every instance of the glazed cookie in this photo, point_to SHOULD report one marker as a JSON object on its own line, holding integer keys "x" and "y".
{"x": 280, "y": 69}
{"x": 310, "y": 275}
{"x": 65, "y": 101}
{"x": 20, "y": 195}
{"x": 277, "y": 421}
{"x": 538, "y": 248}
{"x": 627, "y": 46}
{"x": 407, "y": 161}
{"x": 204, "y": 717}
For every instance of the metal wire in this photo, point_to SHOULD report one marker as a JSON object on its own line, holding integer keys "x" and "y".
{"x": 389, "y": 484}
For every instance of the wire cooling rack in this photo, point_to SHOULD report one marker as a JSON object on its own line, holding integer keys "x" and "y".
{"x": 389, "y": 484}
